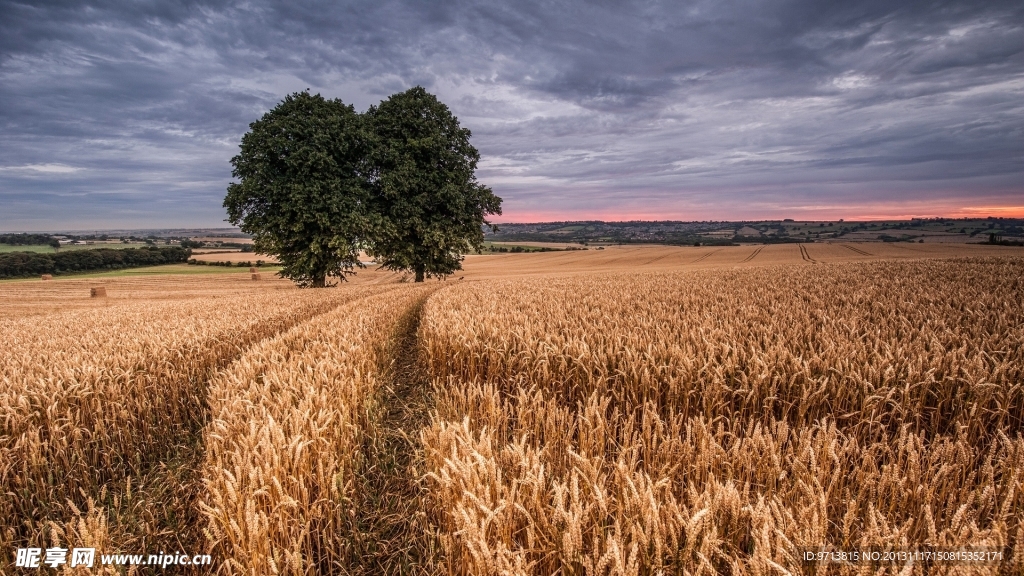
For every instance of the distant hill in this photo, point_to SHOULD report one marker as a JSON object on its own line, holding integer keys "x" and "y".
{"x": 963, "y": 230}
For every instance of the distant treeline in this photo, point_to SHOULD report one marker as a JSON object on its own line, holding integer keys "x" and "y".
{"x": 520, "y": 249}
{"x": 26, "y": 239}
{"x": 243, "y": 264}
{"x": 243, "y": 247}
{"x": 999, "y": 241}
{"x": 26, "y": 264}
{"x": 768, "y": 240}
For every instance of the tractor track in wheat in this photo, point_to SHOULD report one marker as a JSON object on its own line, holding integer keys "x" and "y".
{"x": 805, "y": 255}
{"x": 705, "y": 256}
{"x": 857, "y": 250}
{"x": 752, "y": 255}
{"x": 393, "y": 535}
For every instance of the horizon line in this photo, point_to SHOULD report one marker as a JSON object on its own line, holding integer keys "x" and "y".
{"x": 541, "y": 222}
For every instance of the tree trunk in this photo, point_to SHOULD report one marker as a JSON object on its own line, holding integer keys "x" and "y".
{"x": 320, "y": 281}
{"x": 420, "y": 269}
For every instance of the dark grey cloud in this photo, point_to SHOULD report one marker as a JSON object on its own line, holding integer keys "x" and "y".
{"x": 127, "y": 113}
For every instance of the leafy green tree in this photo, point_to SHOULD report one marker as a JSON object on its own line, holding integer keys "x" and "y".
{"x": 301, "y": 193}
{"x": 421, "y": 171}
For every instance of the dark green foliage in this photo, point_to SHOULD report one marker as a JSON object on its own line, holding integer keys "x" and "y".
{"x": 318, "y": 182}
{"x": 997, "y": 240}
{"x": 761, "y": 240}
{"x": 26, "y": 264}
{"x": 523, "y": 249}
{"x": 301, "y": 193}
{"x": 889, "y": 238}
{"x": 673, "y": 233}
{"x": 421, "y": 172}
{"x": 27, "y": 239}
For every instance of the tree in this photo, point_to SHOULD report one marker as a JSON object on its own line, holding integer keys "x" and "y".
{"x": 301, "y": 193}
{"x": 421, "y": 173}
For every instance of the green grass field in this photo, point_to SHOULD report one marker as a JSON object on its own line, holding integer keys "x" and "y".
{"x": 5, "y": 248}
{"x": 163, "y": 270}
{"x": 172, "y": 269}
{"x": 43, "y": 249}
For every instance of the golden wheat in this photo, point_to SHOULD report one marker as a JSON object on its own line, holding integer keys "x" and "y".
{"x": 632, "y": 259}
{"x": 698, "y": 422}
{"x": 89, "y": 398}
{"x": 718, "y": 422}
{"x": 284, "y": 444}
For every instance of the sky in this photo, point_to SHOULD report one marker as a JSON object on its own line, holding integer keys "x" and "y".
{"x": 127, "y": 114}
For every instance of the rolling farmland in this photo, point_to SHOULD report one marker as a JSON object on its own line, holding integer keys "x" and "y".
{"x": 633, "y": 410}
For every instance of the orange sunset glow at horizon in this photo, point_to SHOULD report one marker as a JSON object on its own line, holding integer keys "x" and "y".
{"x": 852, "y": 214}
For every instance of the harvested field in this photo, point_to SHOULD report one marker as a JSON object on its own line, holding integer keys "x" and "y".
{"x": 30, "y": 298}
{"x": 232, "y": 256}
{"x": 21, "y": 298}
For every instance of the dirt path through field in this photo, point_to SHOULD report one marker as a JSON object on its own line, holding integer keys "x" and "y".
{"x": 156, "y": 507}
{"x": 393, "y": 531}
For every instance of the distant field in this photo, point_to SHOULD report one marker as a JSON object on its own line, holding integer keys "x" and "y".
{"x": 222, "y": 239}
{"x": 169, "y": 270}
{"x": 628, "y": 258}
{"x": 689, "y": 233}
{"x": 68, "y": 247}
{"x": 533, "y": 245}
{"x": 37, "y": 249}
{"x": 608, "y": 259}
{"x": 232, "y": 256}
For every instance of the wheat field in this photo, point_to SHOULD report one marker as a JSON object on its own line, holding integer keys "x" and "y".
{"x": 93, "y": 398}
{"x": 719, "y": 422}
{"x": 279, "y": 493}
{"x": 628, "y": 411}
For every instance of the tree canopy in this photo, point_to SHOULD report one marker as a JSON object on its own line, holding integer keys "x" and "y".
{"x": 424, "y": 187}
{"x": 319, "y": 182}
{"x": 301, "y": 192}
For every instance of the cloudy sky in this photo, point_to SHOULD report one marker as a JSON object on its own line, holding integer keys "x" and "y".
{"x": 126, "y": 114}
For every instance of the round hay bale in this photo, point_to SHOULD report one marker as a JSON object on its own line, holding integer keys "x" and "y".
{"x": 99, "y": 292}
{"x": 47, "y": 277}
{"x": 255, "y": 276}
{"x": 252, "y": 270}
